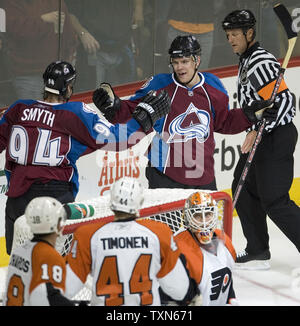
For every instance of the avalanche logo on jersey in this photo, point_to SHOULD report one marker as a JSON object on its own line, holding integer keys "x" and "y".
{"x": 193, "y": 123}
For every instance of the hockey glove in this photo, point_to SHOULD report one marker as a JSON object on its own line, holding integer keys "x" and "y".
{"x": 152, "y": 108}
{"x": 270, "y": 114}
{"x": 106, "y": 101}
{"x": 252, "y": 111}
{"x": 55, "y": 297}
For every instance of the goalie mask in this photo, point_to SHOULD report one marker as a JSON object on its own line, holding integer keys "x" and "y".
{"x": 126, "y": 196}
{"x": 201, "y": 216}
{"x": 43, "y": 215}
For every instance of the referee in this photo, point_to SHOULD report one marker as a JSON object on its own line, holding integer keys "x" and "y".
{"x": 266, "y": 190}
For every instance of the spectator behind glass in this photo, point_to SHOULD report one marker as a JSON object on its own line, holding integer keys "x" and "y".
{"x": 33, "y": 42}
{"x": 6, "y": 94}
{"x": 196, "y": 18}
{"x": 105, "y": 31}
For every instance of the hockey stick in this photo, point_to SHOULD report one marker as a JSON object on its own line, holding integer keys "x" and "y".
{"x": 287, "y": 22}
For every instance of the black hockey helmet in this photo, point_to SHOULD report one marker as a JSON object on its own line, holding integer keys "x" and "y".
{"x": 239, "y": 19}
{"x": 57, "y": 76}
{"x": 184, "y": 46}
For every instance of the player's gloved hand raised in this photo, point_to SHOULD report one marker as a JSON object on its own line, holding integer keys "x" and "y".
{"x": 254, "y": 111}
{"x": 106, "y": 101}
{"x": 152, "y": 108}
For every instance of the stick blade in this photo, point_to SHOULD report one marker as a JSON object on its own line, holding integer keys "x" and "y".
{"x": 286, "y": 20}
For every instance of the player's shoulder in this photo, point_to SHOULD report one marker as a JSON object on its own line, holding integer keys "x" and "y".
{"x": 20, "y": 103}
{"x": 209, "y": 76}
{"x": 86, "y": 231}
{"x": 182, "y": 233}
{"x": 185, "y": 240}
{"x": 76, "y": 107}
{"x": 214, "y": 81}
{"x": 159, "y": 228}
{"x": 227, "y": 242}
{"x": 156, "y": 82}
{"x": 79, "y": 110}
{"x": 43, "y": 250}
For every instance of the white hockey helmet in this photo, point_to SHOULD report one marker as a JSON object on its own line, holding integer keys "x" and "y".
{"x": 201, "y": 215}
{"x": 43, "y": 214}
{"x": 126, "y": 195}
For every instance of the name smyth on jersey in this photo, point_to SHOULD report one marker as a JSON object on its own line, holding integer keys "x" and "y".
{"x": 124, "y": 243}
{"x": 20, "y": 263}
{"x": 38, "y": 115}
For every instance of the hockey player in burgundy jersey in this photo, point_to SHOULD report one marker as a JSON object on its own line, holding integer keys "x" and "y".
{"x": 44, "y": 139}
{"x": 181, "y": 153}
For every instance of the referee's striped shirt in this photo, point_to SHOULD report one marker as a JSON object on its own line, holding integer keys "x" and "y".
{"x": 258, "y": 70}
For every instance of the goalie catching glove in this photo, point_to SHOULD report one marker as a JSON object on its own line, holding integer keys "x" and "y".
{"x": 152, "y": 108}
{"x": 269, "y": 112}
{"x": 106, "y": 101}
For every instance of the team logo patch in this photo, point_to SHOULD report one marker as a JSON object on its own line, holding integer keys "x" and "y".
{"x": 243, "y": 77}
{"x": 194, "y": 123}
{"x": 146, "y": 84}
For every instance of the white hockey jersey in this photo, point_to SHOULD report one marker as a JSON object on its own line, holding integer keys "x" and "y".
{"x": 211, "y": 271}
{"x": 30, "y": 267}
{"x": 128, "y": 261}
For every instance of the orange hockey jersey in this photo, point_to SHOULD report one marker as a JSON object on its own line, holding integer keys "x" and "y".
{"x": 211, "y": 271}
{"x": 128, "y": 261}
{"x": 31, "y": 266}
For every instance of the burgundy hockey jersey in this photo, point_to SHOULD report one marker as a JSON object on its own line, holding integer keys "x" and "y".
{"x": 184, "y": 144}
{"x": 43, "y": 141}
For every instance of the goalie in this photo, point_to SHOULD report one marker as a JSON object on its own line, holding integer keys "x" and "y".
{"x": 209, "y": 252}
